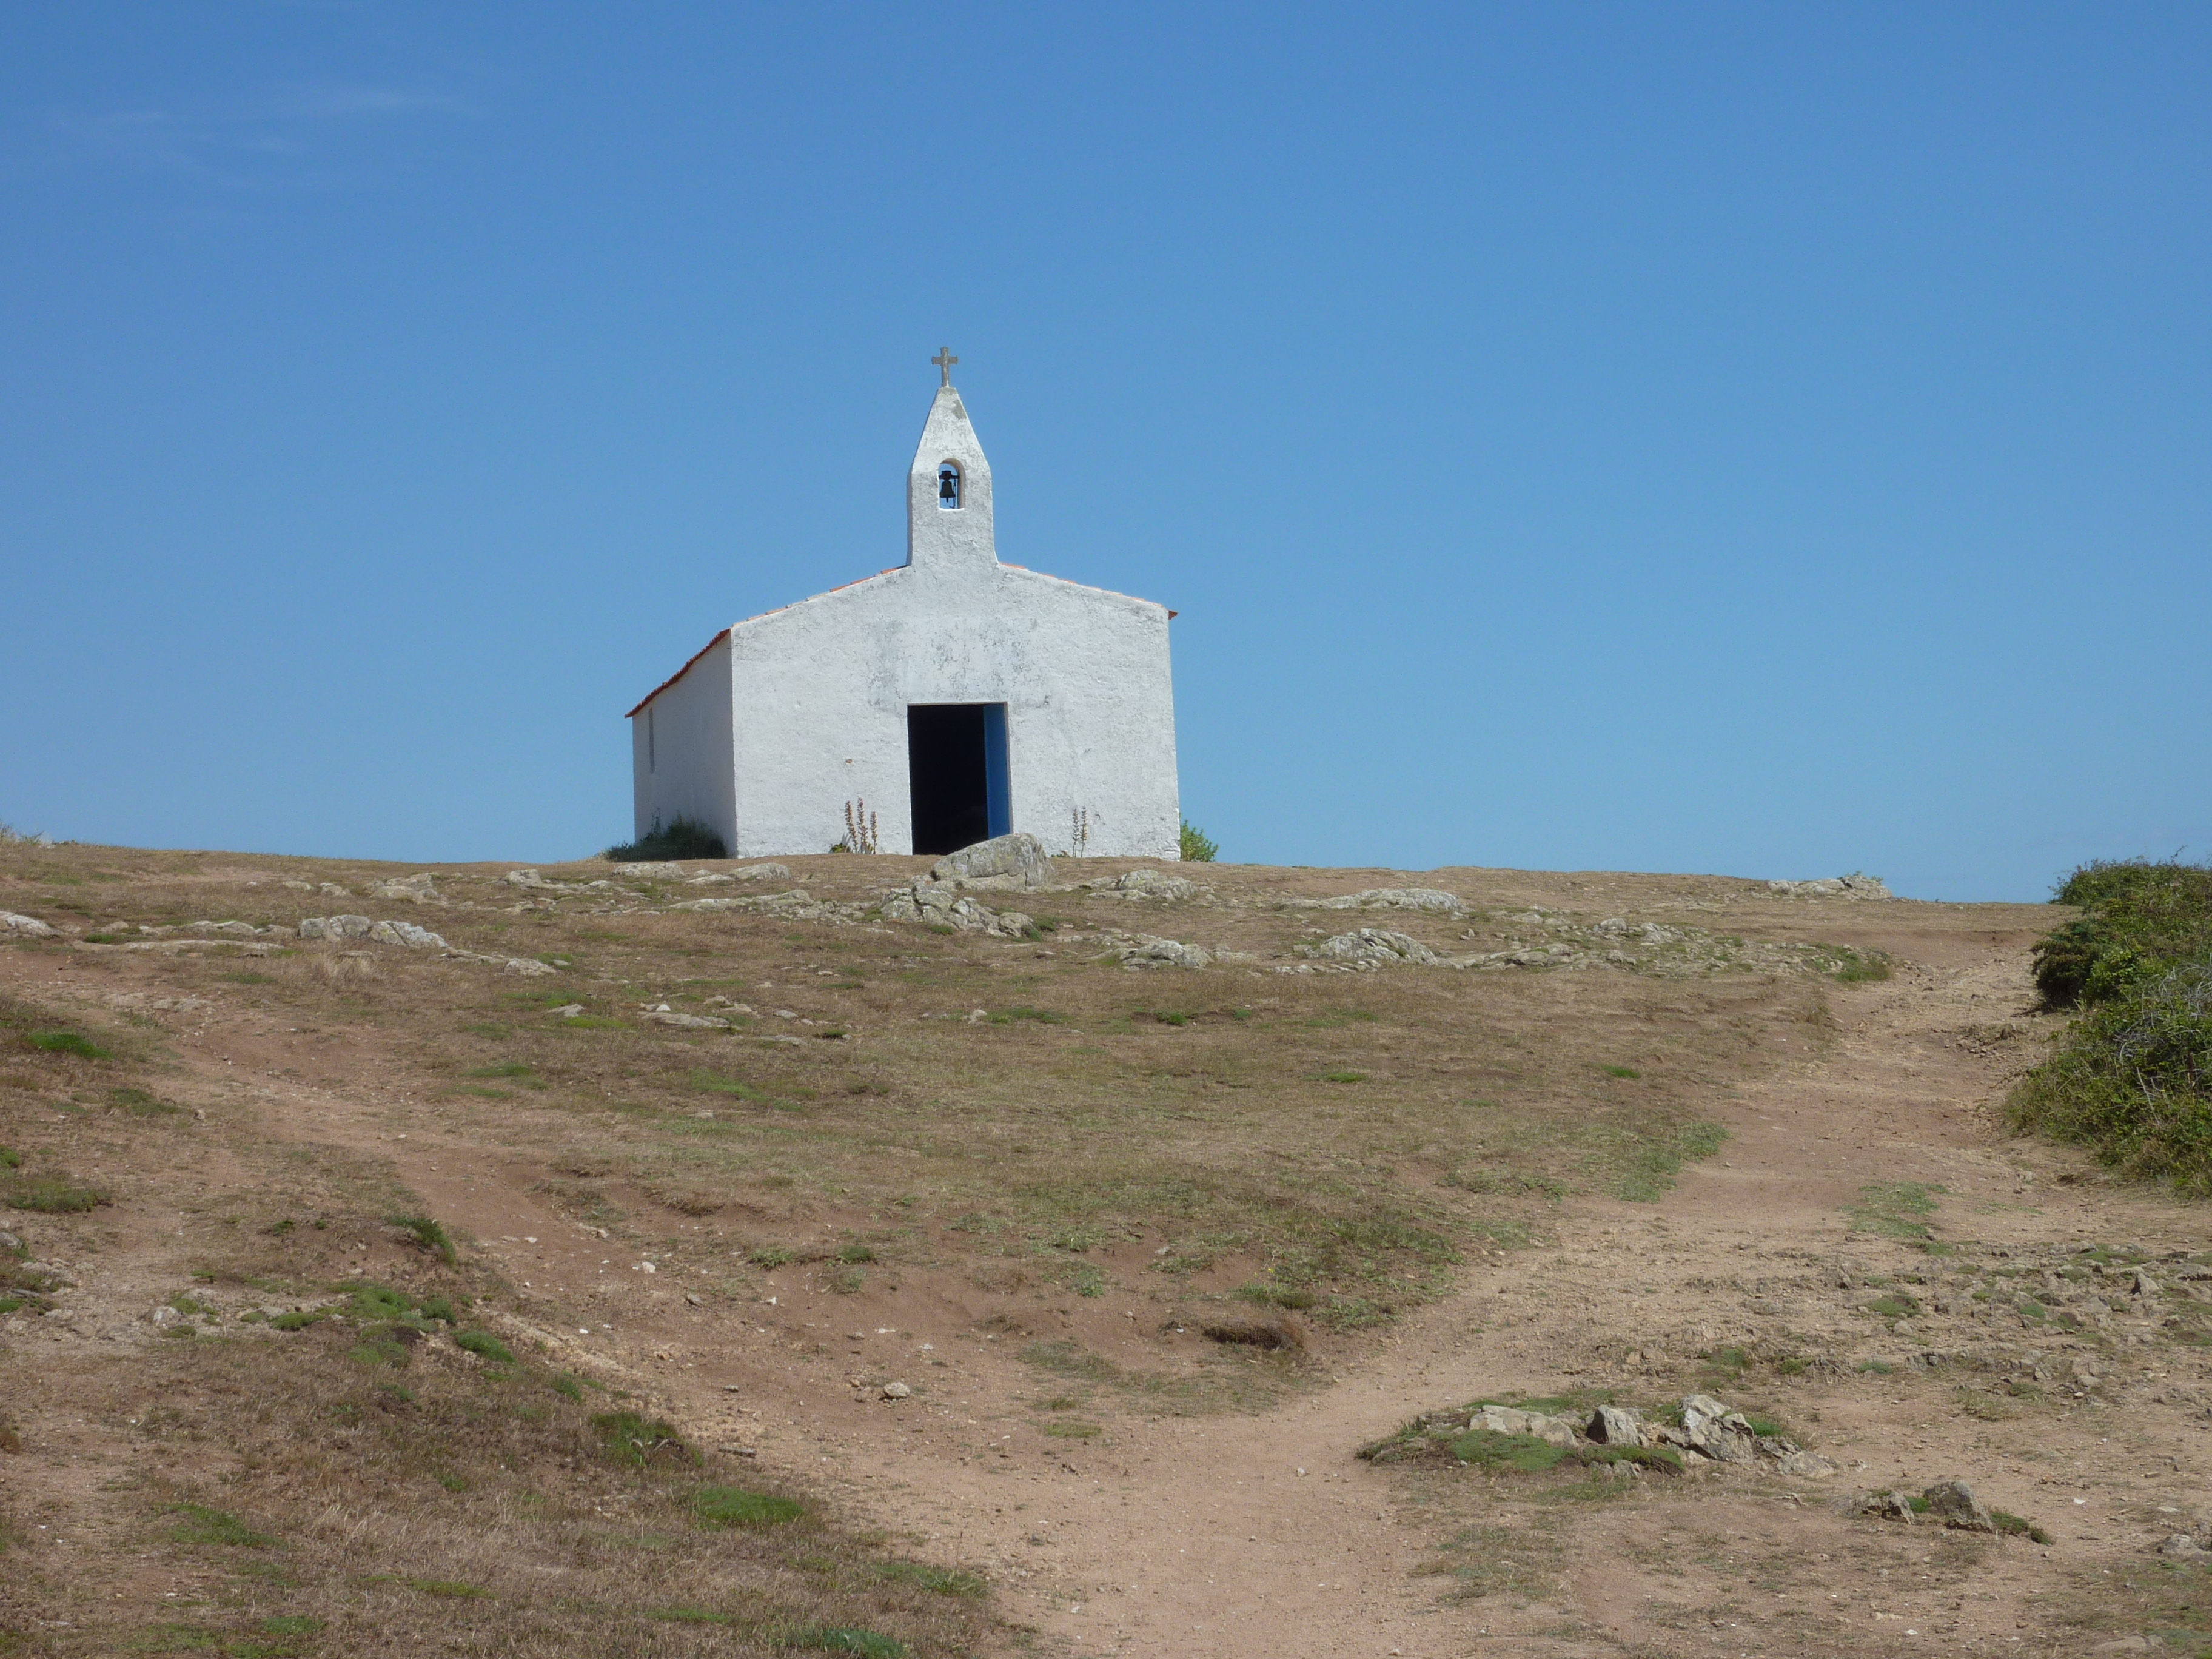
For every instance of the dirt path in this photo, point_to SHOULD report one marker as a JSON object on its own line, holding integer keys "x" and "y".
{"x": 1262, "y": 1534}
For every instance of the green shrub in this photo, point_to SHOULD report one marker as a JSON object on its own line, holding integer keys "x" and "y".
{"x": 733, "y": 1506}
{"x": 486, "y": 1344}
{"x": 681, "y": 839}
{"x": 2139, "y": 919}
{"x": 300, "y": 1320}
{"x": 1198, "y": 847}
{"x": 68, "y": 1043}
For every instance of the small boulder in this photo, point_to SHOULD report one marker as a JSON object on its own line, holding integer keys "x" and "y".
{"x": 2181, "y": 1546}
{"x": 15, "y": 927}
{"x": 1509, "y": 1420}
{"x": 1892, "y": 1505}
{"x": 1148, "y": 952}
{"x": 1616, "y": 1426}
{"x": 1720, "y": 1434}
{"x": 1016, "y": 862}
{"x": 1953, "y": 1503}
{"x": 897, "y": 1391}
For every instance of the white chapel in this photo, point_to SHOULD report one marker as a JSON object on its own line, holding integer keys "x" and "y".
{"x": 942, "y": 702}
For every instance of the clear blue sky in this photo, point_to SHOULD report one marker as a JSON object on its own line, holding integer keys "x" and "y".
{"x": 1766, "y": 440}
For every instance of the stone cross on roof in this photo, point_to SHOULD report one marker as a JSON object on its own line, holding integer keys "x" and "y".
{"x": 945, "y": 360}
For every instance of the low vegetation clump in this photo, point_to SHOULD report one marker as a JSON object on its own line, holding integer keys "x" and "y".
{"x": 681, "y": 839}
{"x": 2132, "y": 1080}
{"x": 1198, "y": 847}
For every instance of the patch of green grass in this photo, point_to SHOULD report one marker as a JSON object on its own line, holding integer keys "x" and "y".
{"x": 68, "y": 1043}
{"x": 1344, "y": 1077}
{"x": 1069, "y": 1429}
{"x": 937, "y": 1581}
{"x": 513, "y": 1068}
{"x": 868, "y": 1644}
{"x": 139, "y": 1102}
{"x": 847, "y": 1281}
{"x": 1875, "y": 1367}
{"x": 771, "y": 1255}
{"x": 1041, "y": 1015}
{"x": 52, "y": 1194}
{"x": 484, "y": 1344}
{"x": 452, "y": 1588}
{"x": 1622, "y": 1071}
{"x": 567, "y": 1387}
{"x": 1646, "y": 1163}
{"x": 1486, "y": 1448}
{"x": 636, "y": 1440}
{"x": 734, "y": 1506}
{"x": 430, "y": 1234}
{"x": 851, "y": 1253}
{"x": 1857, "y": 967}
{"x": 300, "y": 1320}
{"x": 1893, "y": 1209}
{"x": 202, "y": 1525}
{"x": 1895, "y": 1305}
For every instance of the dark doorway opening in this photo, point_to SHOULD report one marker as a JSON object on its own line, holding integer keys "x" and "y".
{"x": 956, "y": 760}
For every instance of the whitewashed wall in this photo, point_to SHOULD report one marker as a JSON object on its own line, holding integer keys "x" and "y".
{"x": 680, "y": 745}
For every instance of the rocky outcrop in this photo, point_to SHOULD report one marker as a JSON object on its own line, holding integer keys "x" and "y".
{"x": 1366, "y": 949}
{"x": 1146, "y": 885}
{"x": 1853, "y": 886}
{"x": 15, "y": 927}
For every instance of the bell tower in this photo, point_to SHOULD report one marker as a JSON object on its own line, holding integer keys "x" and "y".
{"x": 948, "y": 489}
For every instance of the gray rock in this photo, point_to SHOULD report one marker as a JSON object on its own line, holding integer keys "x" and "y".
{"x": 15, "y": 927}
{"x": 1145, "y": 884}
{"x": 527, "y": 879}
{"x": 1369, "y": 948}
{"x": 1616, "y": 1426}
{"x": 1509, "y": 1420}
{"x": 1148, "y": 952}
{"x": 1953, "y": 1503}
{"x": 1808, "y": 1465}
{"x": 1433, "y": 900}
{"x": 1720, "y": 1434}
{"x": 569, "y": 1010}
{"x": 406, "y": 933}
{"x": 897, "y": 1391}
{"x": 335, "y": 927}
{"x": 413, "y": 889}
{"x": 1894, "y": 1504}
{"x": 1016, "y": 862}
{"x": 2181, "y": 1546}
{"x": 1854, "y": 886}
{"x": 9, "y": 1242}
{"x": 687, "y": 1021}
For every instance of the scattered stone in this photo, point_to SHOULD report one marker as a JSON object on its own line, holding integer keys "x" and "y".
{"x": 663, "y": 1016}
{"x": 1145, "y": 884}
{"x": 527, "y": 879}
{"x": 796, "y": 905}
{"x": 2181, "y": 1546}
{"x": 1149, "y": 952}
{"x": 897, "y": 1391}
{"x": 1016, "y": 862}
{"x": 569, "y": 1010}
{"x": 414, "y": 889}
{"x": 1433, "y": 900}
{"x": 943, "y": 905}
{"x": 1368, "y": 948}
{"x": 1711, "y": 1428}
{"x": 15, "y": 927}
{"x": 1895, "y": 1504}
